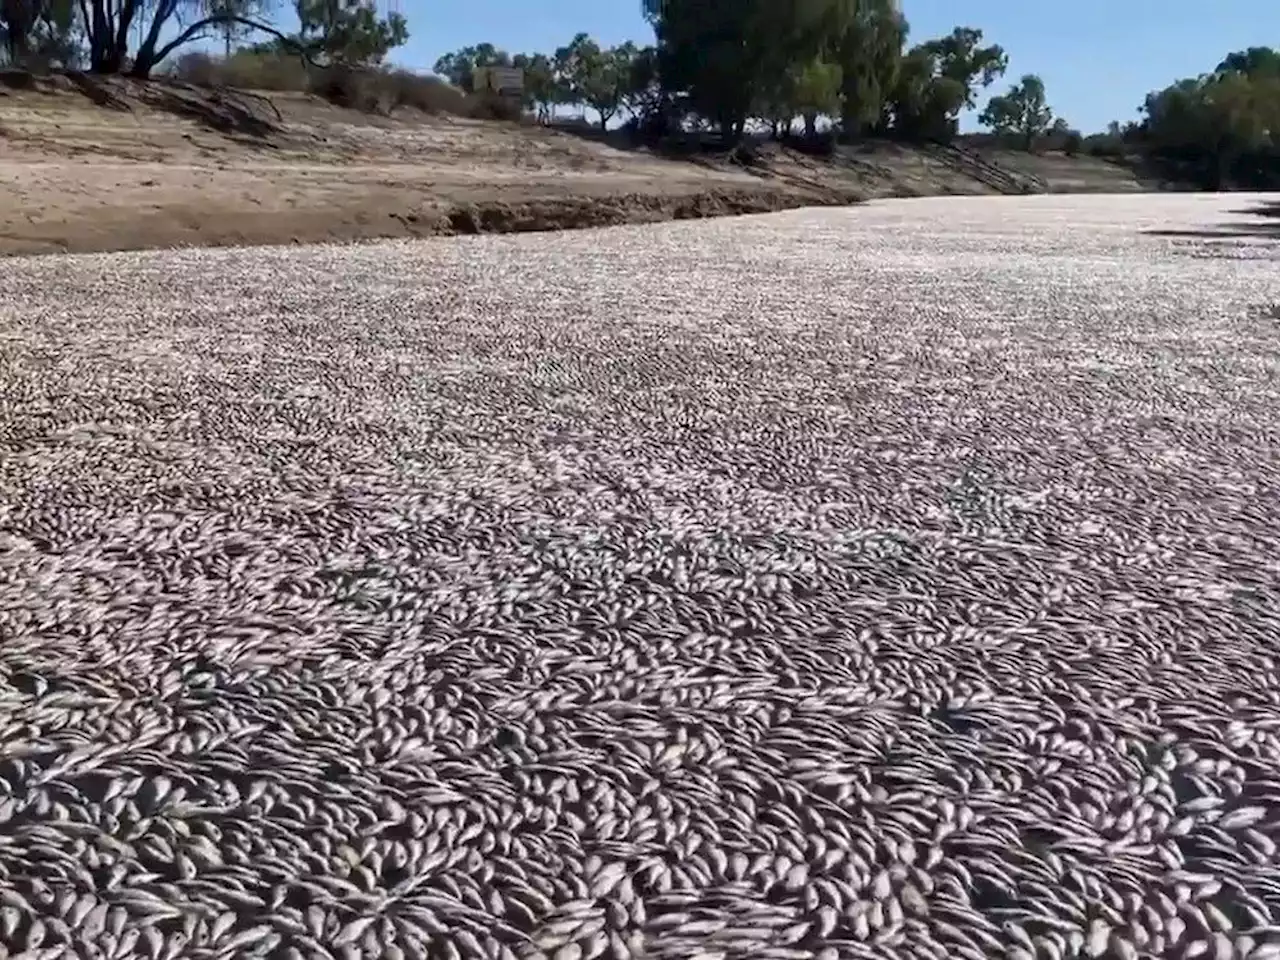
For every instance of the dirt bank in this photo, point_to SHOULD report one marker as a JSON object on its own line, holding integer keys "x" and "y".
{"x": 126, "y": 166}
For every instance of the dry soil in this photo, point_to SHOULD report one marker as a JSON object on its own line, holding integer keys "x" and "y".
{"x": 125, "y": 166}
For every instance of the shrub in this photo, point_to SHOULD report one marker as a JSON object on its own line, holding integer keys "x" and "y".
{"x": 245, "y": 69}
{"x": 346, "y": 87}
{"x": 429, "y": 94}
{"x": 198, "y": 68}
{"x": 255, "y": 71}
{"x": 370, "y": 89}
{"x": 1105, "y": 145}
{"x": 487, "y": 106}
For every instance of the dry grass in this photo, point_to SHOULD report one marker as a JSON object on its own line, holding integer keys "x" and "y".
{"x": 169, "y": 171}
{"x": 372, "y": 90}
{"x": 197, "y": 162}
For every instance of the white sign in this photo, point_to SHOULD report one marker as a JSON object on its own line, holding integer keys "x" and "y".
{"x": 502, "y": 80}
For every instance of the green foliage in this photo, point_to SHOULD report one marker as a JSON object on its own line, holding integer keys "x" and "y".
{"x": 543, "y": 88}
{"x": 717, "y": 56}
{"x": 815, "y": 91}
{"x": 938, "y": 79}
{"x": 348, "y": 31}
{"x": 714, "y": 64}
{"x": 581, "y": 72}
{"x": 39, "y": 34}
{"x": 961, "y": 60}
{"x": 460, "y": 66}
{"x": 645, "y": 94}
{"x": 1224, "y": 126}
{"x": 1023, "y": 112}
{"x": 1254, "y": 62}
{"x": 925, "y": 104}
{"x": 63, "y": 32}
{"x": 599, "y": 78}
{"x": 730, "y": 60}
{"x": 868, "y": 41}
{"x": 235, "y": 31}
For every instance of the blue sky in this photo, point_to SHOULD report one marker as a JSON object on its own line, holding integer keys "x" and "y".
{"x": 1098, "y": 58}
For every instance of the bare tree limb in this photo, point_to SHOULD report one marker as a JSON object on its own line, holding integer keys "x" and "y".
{"x": 261, "y": 99}
{"x": 192, "y": 32}
{"x": 84, "y": 15}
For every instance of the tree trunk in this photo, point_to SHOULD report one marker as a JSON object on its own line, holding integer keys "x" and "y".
{"x": 1222, "y": 168}
{"x": 147, "y": 57}
{"x": 107, "y": 58}
{"x": 724, "y": 123}
{"x": 99, "y": 54}
{"x": 810, "y": 126}
{"x": 17, "y": 19}
{"x": 125, "y": 13}
{"x": 850, "y": 125}
{"x": 108, "y": 36}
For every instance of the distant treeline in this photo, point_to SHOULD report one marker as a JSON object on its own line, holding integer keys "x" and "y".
{"x": 818, "y": 69}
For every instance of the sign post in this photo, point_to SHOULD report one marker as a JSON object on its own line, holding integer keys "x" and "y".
{"x": 503, "y": 81}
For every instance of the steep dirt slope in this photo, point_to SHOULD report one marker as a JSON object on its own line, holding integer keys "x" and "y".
{"x": 120, "y": 166}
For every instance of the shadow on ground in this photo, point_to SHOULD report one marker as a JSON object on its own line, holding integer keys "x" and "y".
{"x": 249, "y": 118}
{"x": 1264, "y": 222}
{"x": 229, "y": 112}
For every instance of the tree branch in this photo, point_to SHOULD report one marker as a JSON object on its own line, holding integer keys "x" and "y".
{"x": 127, "y": 10}
{"x": 192, "y": 32}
